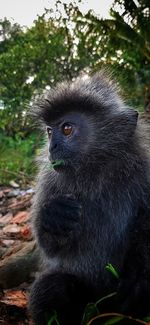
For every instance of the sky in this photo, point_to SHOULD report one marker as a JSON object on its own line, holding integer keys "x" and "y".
{"x": 25, "y": 11}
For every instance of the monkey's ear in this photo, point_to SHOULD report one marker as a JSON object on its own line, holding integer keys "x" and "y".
{"x": 133, "y": 117}
{"x": 127, "y": 121}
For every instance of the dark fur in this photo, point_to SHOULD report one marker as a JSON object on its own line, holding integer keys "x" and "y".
{"x": 95, "y": 211}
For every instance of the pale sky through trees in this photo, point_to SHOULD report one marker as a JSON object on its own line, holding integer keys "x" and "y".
{"x": 25, "y": 11}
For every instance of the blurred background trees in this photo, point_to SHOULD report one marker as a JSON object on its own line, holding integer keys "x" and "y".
{"x": 60, "y": 45}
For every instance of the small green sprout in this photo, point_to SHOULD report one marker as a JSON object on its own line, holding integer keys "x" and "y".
{"x": 53, "y": 319}
{"x": 57, "y": 163}
{"x": 111, "y": 269}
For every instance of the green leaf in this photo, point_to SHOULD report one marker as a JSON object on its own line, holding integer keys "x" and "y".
{"x": 91, "y": 310}
{"x": 105, "y": 297}
{"x": 111, "y": 269}
{"x": 113, "y": 320}
{"x": 58, "y": 163}
{"x": 53, "y": 319}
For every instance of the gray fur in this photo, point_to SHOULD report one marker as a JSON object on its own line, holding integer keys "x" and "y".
{"x": 110, "y": 177}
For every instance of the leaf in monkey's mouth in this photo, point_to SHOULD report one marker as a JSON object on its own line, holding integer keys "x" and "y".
{"x": 58, "y": 163}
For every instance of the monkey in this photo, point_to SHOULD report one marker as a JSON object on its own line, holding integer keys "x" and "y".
{"x": 93, "y": 208}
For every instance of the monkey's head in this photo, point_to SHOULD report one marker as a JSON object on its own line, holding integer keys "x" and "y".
{"x": 86, "y": 122}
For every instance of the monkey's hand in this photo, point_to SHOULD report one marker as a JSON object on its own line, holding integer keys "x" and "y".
{"x": 58, "y": 225}
{"x": 61, "y": 216}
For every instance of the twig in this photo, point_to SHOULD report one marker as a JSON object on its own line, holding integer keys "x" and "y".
{"x": 119, "y": 315}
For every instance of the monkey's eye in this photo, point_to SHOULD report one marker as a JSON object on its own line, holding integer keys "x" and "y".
{"x": 67, "y": 129}
{"x": 49, "y": 131}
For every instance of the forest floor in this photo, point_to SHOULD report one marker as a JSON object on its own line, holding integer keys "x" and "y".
{"x": 16, "y": 242}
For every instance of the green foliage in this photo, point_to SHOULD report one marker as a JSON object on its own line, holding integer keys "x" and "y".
{"x": 33, "y": 60}
{"x": 127, "y": 42}
{"x": 60, "y": 44}
{"x": 58, "y": 163}
{"x": 93, "y": 309}
{"x": 53, "y": 320}
{"x": 111, "y": 269}
{"x": 94, "y": 316}
{"x": 114, "y": 320}
{"x": 16, "y": 159}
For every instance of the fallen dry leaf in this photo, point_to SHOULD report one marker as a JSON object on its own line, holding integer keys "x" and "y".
{"x": 7, "y": 190}
{"x": 13, "y": 249}
{"x": 21, "y": 203}
{"x": 11, "y": 229}
{"x": 1, "y": 194}
{"x": 20, "y": 217}
{"x": 16, "y": 298}
{"x": 8, "y": 242}
{"x": 5, "y": 219}
{"x": 14, "y": 184}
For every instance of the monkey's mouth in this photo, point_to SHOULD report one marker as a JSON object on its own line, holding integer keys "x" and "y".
{"x": 57, "y": 163}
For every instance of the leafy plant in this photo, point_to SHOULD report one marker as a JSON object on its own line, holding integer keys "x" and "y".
{"x": 17, "y": 159}
{"x": 111, "y": 269}
{"x": 53, "y": 319}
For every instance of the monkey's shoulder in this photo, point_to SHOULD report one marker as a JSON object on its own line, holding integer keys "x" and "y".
{"x": 47, "y": 179}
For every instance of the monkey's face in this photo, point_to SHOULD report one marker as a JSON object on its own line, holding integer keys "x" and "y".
{"x": 68, "y": 139}
{"x": 88, "y": 125}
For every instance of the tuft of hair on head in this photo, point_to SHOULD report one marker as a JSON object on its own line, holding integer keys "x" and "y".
{"x": 92, "y": 95}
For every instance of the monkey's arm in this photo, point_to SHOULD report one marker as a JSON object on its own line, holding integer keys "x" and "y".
{"x": 134, "y": 289}
{"x": 61, "y": 216}
{"x": 57, "y": 222}
{"x": 61, "y": 292}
